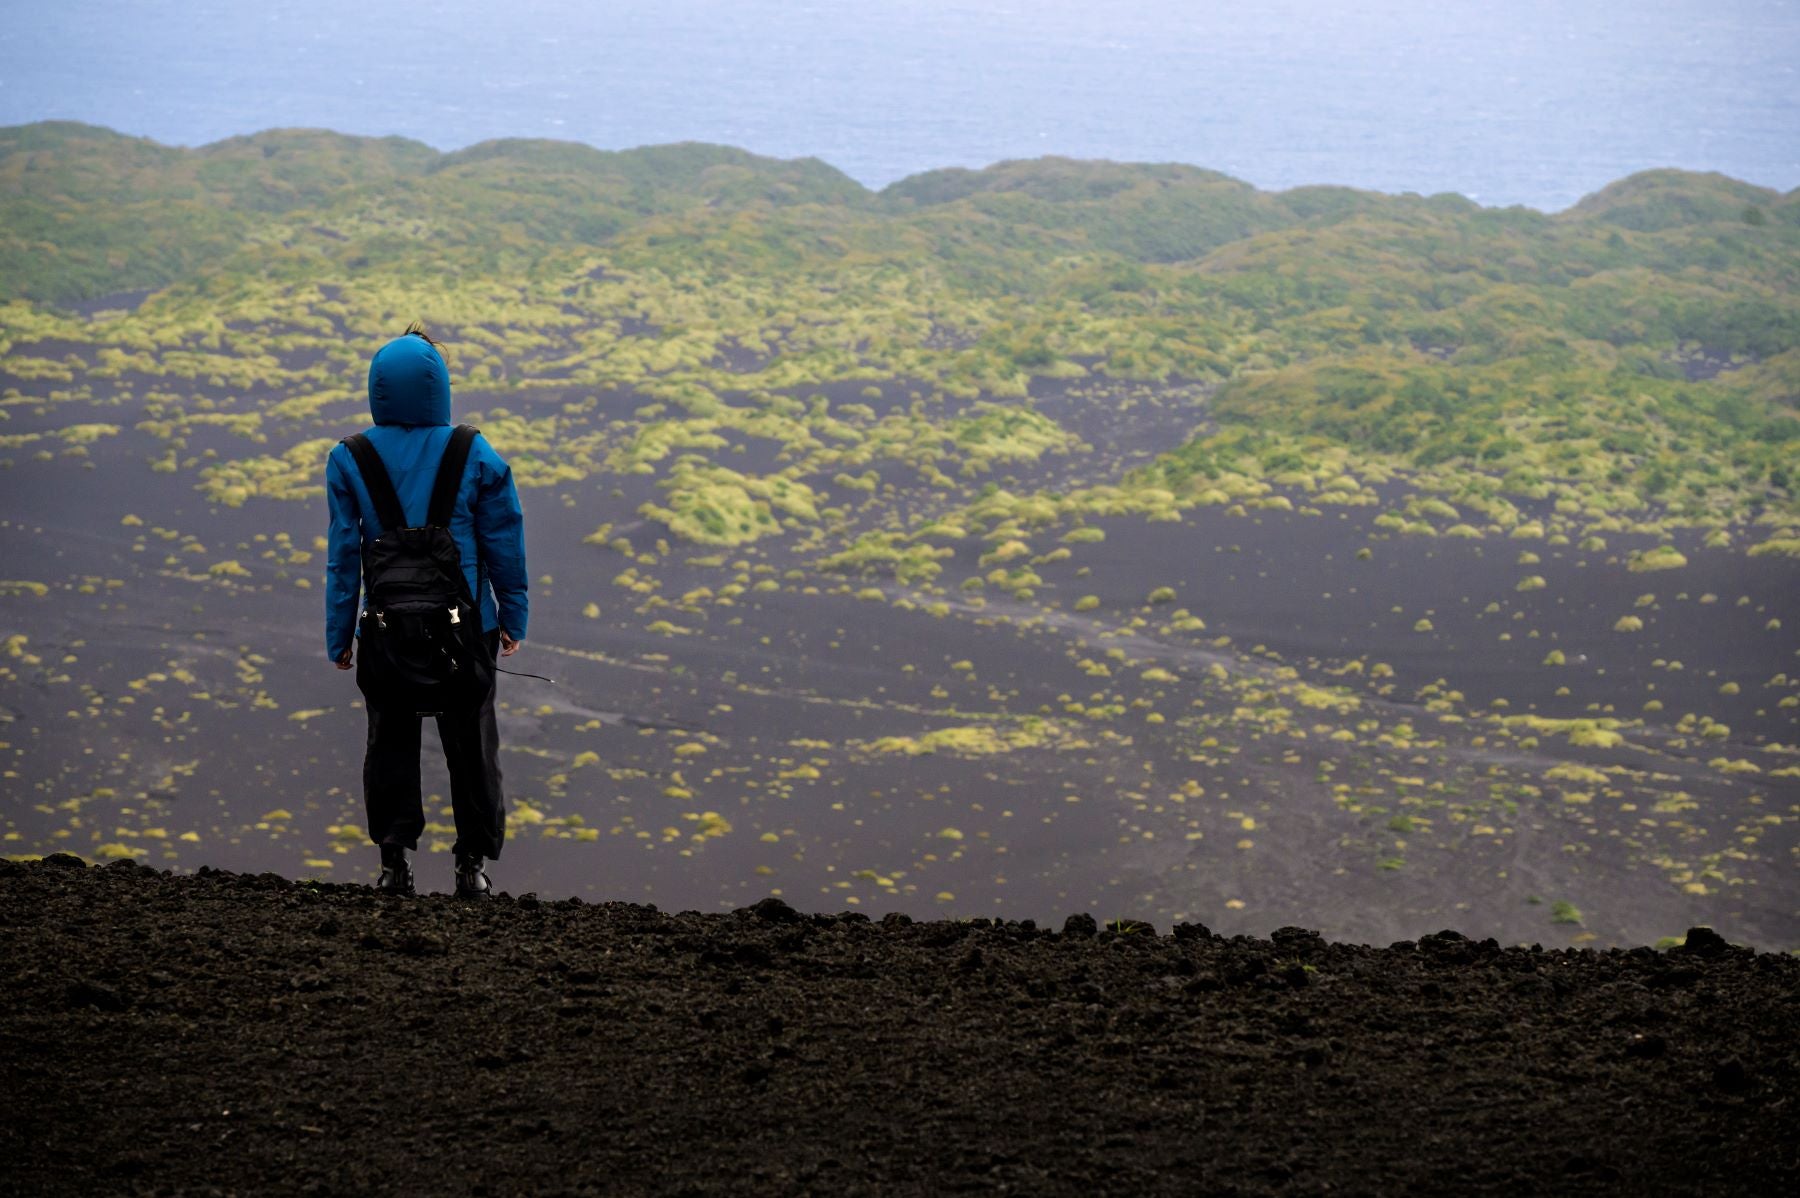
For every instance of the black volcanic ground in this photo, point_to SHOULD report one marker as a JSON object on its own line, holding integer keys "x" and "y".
{"x": 244, "y": 1034}
{"x": 1309, "y": 757}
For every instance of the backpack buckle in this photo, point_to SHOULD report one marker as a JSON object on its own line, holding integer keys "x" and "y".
{"x": 455, "y": 616}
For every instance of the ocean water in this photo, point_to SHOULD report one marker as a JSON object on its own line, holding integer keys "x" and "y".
{"x": 1532, "y": 102}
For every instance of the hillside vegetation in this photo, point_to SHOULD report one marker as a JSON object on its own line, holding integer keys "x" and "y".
{"x": 1058, "y": 532}
{"x": 1634, "y": 355}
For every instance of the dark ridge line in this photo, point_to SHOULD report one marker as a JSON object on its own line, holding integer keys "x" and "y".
{"x": 1700, "y": 941}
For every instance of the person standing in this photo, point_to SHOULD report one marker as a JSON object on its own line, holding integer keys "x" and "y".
{"x": 409, "y": 399}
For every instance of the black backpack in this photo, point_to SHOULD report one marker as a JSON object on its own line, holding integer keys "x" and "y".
{"x": 422, "y": 649}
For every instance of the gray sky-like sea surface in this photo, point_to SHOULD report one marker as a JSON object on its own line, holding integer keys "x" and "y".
{"x": 1532, "y": 102}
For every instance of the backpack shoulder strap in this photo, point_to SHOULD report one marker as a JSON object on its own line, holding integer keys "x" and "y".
{"x": 380, "y": 486}
{"x": 449, "y": 475}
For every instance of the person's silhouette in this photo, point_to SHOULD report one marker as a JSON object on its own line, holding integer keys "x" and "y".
{"x": 409, "y": 398}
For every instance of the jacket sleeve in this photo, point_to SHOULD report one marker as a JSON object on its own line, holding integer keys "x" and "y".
{"x": 343, "y": 557}
{"x": 500, "y": 536}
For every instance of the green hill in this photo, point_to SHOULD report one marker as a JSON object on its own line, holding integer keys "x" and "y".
{"x": 86, "y": 211}
{"x": 1652, "y": 201}
{"x": 1637, "y": 348}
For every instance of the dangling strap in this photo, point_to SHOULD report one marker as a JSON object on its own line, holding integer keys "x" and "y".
{"x": 375, "y": 479}
{"x": 449, "y": 475}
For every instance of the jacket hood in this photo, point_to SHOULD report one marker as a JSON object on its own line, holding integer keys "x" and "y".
{"x": 409, "y": 383}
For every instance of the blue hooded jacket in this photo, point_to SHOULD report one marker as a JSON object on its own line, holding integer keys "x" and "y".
{"x": 409, "y": 397}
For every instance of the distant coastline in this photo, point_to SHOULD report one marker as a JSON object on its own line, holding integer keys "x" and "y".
{"x": 433, "y": 156}
{"x": 1527, "y": 102}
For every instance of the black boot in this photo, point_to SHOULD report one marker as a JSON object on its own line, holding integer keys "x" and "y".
{"x": 471, "y": 882}
{"x": 396, "y": 871}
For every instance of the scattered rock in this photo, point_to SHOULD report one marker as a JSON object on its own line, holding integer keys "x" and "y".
{"x": 1080, "y": 925}
{"x": 1704, "y": 942}
{"x": 1583, "y": 1165}
{"x": 1292, "y": 937}
{"x": 1532, "y": 986}
{"x": 89, "y": 994}
{"x": 64, "y": 861}
{"x": 422, "y": 944}
{"x": 773, "y": 910}
{"x": 754, "y": 955}
{"x": 1667, "y": 979}
{"x": 1731, "y": 1076}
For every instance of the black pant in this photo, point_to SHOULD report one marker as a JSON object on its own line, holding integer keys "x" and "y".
{"x": 471, "y": 750}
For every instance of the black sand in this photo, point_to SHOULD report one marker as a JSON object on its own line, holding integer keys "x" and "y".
{"x": 172, "y": 716}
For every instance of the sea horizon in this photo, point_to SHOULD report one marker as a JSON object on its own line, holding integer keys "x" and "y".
{"x": 1524, "y": 102}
